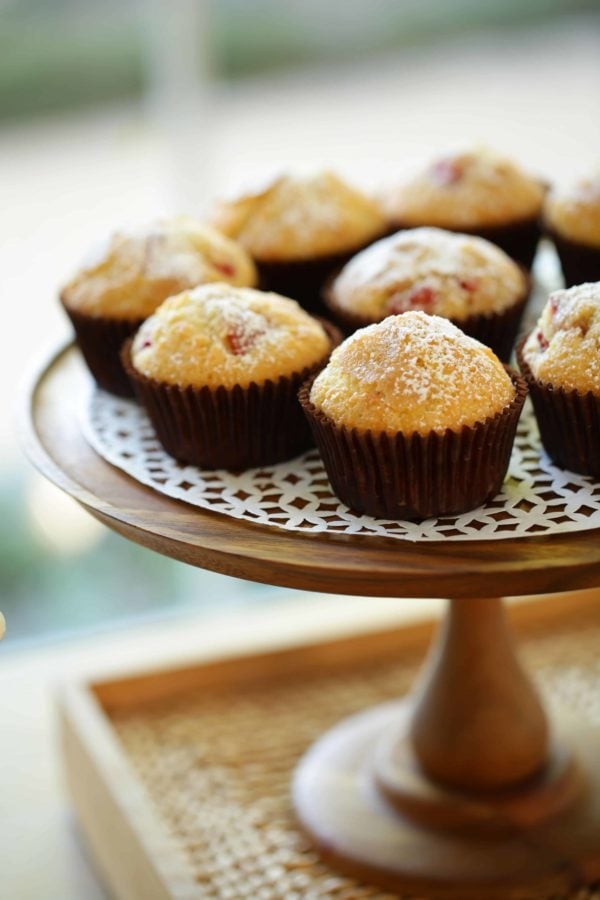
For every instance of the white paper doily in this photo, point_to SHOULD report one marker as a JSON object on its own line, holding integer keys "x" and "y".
{"x": 537, "y": 497}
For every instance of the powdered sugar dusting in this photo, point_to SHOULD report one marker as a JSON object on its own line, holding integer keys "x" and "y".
{"x": 135, "y": 271}
{"x": 411, "y": 373}
{"x": 303, "y": 217}
{"x": 446, "y": 274}
{"x": 564, "y": 347}
{"x": 220, "y": 335}
{"x": 487, "y": 190}
{"x": 575, "y": 211}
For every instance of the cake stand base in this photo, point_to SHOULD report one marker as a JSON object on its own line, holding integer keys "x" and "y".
{"x": 538, "y": 840}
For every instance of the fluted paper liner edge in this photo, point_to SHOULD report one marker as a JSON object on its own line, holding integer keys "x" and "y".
{"x": 100, "y": 339}
{"x": 416, "y": 477}
{"x": 569, "y": 422}
{"x": 228, "y": 428}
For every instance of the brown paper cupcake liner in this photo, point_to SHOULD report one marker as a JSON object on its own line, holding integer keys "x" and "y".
{"x": 579, "y": 262}
{"x": 518, "y": 239}
{"x": 498, "y": 331}
{"x": 100, "y": 339}
{"x": 569, "y": 422}
{"x": 228, "y": 428}
{"x": 303, "y": 280}
{"x": 415, "y": 476}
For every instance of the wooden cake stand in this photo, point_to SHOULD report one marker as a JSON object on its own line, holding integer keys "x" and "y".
{"x": 465, "y": 789}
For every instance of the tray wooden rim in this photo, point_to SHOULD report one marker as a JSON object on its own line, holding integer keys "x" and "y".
{"x": 371, "y": 566}
{"x": 130, "y": 845}
{"x": 118, "y": 819}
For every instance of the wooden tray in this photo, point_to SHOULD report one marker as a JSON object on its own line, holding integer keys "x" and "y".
{"x": 180, "y": 778}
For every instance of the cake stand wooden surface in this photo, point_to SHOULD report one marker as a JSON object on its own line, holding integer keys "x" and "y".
{"x": 463, "y": 790}
{"x": 51, "y": 433}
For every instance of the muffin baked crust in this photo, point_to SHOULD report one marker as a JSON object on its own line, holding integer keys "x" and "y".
{"x": 411, "y": 373}
{"x": 466, "y": 191}
{"x": 563, "y": 350}
{"x": 301, "y": 218}
{"x": 440, "y": 272}
{"x": 574, "y": 212}
{"x": 135, "y": 272}
{"x": 218, "y": 335}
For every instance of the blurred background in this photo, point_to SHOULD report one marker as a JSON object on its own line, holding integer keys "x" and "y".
{"x": 114, "y": 112}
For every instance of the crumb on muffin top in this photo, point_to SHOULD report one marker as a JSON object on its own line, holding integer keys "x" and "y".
{"x": 440, "y": 272}
{"x": 134, "y": 272}
{"x": 575, "y": 211}
{"x": 218, "y": 335}
{"x": 467, "y": 190}
{"x": 296, "y": 218}
{"x": 564, "y": 348}
{"x": 411, "y": 373}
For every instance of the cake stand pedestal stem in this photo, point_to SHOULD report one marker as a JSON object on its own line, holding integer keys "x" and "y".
{"x": 461, "y": 790}
{"x": 478, "y": 723}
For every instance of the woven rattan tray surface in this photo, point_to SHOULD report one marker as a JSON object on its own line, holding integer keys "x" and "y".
{"x": 197, "y": 762}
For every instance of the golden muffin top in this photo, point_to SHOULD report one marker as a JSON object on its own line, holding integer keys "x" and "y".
{"x": 411, "y": 373}
{"x": 564, "y": 347}
{"x": 217, "y": 335}
{"x": 469, "y": 190}
{"x": 574, "y": 212}
{"x": 300, "y": 218}
{"x": 439, "y": 272}
{"x": 135, "y": 272}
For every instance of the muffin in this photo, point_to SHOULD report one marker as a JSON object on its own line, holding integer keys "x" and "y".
{"x": 477, "y": 193}
{"x": 572, "y": 220}
{"x": 298, "y": 230}
{"x": 218, "y": 370}
{"x": 460, "y": 277}
{"x": 133, "y": 273}
{"x": 414, "y": 419}
{"x": 560, "y": 360}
